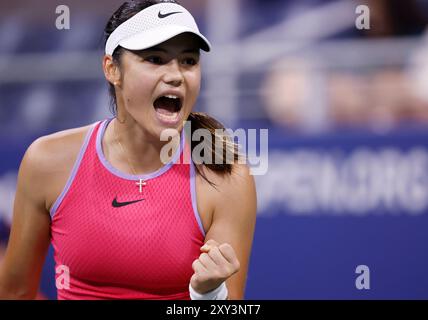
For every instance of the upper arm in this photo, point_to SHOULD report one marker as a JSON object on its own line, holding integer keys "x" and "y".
{"x": 234, "y": 221}
{"x": 30, "y": 232}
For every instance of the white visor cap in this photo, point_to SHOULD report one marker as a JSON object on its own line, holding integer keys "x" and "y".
{"x": 154, "y": 25}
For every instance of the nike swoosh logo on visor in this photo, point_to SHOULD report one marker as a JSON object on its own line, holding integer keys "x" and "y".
{"x": 117, "y": 204}
{"x": 161, "y": 16}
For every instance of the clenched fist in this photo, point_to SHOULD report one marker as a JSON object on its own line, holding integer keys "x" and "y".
{"x": 216, "y": 263}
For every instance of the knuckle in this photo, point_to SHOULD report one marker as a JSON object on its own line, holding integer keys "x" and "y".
{"x": 225, "y": 272}
{"x": 215, "y": 252}
{"x": 204, "y": 258}
{"x": 227, "y": 249}
{"x": 225, "y": 246}
{"x": 195, "y": 265}
{"x": 236, "y": 265}
{"x": 213, "y": 256}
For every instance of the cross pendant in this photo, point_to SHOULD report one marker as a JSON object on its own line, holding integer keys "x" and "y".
{"x": 141, "y": 183}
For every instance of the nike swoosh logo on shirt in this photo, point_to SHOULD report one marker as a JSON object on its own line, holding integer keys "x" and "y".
{"x": 161, "y": 16}
{"x": 117, "y": 204}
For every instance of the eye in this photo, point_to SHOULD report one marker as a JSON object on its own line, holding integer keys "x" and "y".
{"x": 190, "y": 61}
{"x": 154, "y": 59}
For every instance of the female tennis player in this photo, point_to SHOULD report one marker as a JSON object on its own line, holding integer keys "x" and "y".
{"x": 123, "y": 224}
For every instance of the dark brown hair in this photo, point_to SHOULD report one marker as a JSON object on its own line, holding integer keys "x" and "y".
{"x": 198, "y": 120}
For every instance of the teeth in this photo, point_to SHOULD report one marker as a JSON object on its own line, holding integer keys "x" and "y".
{"x": 171, "y": 96}
{"x": 168, "y": 117}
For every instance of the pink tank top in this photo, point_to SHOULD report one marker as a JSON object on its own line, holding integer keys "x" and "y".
{"x": 117, "y": 243}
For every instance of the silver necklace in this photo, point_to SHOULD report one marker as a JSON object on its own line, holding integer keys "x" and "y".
{"x": 140, "y": 183}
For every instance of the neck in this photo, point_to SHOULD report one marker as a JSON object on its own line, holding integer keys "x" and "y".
{"x": 130, "y": 147}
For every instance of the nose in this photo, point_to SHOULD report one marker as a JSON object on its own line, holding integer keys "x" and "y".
{"x": 173, "y": 74}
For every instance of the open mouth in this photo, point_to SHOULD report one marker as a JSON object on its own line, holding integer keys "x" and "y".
{"x": 168, "y": 108}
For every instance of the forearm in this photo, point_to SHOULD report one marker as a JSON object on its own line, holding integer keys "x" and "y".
{"x": 15, "y": 294}
{"x": 12, "y": 289}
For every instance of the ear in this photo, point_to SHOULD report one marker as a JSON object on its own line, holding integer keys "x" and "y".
{"x": 111, "y": 70}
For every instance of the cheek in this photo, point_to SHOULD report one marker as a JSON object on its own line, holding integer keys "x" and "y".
{"x": 194, "y": 83}
{"x": 138, "y": 88}
{"x": 134, "y": 81}
{"x": 193, "y": 88}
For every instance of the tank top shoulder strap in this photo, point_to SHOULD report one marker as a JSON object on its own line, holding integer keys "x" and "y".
{"x": 89, "y": 137}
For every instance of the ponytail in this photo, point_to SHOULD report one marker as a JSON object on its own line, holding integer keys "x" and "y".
{"x": 199, "y": 120}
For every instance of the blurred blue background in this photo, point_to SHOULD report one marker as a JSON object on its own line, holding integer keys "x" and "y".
{"x": 346, "y": 109}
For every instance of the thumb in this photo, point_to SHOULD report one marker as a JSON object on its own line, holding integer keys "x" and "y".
{"x": 209, "y": 245}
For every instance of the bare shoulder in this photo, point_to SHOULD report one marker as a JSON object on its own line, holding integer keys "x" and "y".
{"x": 56, "y": 146}
{"x": 237, "y": 188}
{"x": 239, "y": 180}
{"x": 48, "y": 161}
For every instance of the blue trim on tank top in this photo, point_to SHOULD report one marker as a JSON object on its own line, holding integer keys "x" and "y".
{"x": 194, "y": 198}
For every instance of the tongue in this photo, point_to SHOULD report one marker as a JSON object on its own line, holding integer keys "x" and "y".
{"x": 165, "y": 106}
